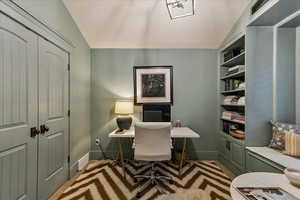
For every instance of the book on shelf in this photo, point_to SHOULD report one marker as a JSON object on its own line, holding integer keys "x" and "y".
{"x": 235, "y": 69}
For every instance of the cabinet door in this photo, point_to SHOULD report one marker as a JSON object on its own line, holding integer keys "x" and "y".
{"x": 225, "y": 148}
{"x": 18, "y": 111}
{"x": 237, "y": 155}
{"x": 256, "y": 163}
{"x": 222, "y": 146}
{"x": 53, "y": 118}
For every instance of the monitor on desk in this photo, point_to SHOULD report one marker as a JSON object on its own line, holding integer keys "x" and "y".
{"x": 157, "y": 113}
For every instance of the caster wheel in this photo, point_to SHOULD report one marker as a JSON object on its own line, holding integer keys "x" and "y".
{"x": 135, "y": 180}
{"x": 138, "y": 195}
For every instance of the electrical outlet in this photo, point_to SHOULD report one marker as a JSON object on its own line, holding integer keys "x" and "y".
{"x": 97, "y": 141}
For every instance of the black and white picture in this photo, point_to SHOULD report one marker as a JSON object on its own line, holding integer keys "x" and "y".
{"x": 153, "y": 84}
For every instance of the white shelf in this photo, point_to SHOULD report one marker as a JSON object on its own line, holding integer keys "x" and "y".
{"x": 233, "y": 91}
{"x": 235, "y": 75}
{"x": 233, "y": 105}
{"x": 235, "y": 121}
{"x": 237, "y": 60}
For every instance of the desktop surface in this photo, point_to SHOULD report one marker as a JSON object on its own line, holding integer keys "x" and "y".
{"x": 176, "y": 132}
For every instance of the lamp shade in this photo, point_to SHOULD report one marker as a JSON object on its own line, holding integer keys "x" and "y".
{"x": 124, "y": 107}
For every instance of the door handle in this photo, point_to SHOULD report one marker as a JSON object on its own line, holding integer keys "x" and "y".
{"x": 34, "y": 132}
{"x": 44, "y": 129}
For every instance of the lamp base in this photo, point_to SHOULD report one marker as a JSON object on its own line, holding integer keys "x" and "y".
{"x": 124, "y": 123}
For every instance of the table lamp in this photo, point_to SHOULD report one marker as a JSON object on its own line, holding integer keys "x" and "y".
{"x": 123, "y": 109}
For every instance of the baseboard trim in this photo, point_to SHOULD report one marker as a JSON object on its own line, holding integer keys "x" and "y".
{"x": 73, "y": 169}
{"x": 79, "y": 165}
{"x": 82, "y": 162}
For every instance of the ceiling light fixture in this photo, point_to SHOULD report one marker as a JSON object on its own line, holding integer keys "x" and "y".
{"x": 180, "y": 8}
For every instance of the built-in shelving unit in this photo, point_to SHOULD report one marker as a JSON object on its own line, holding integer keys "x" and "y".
{"x": 270, "y": 58}
{"x": 230, "y": 80}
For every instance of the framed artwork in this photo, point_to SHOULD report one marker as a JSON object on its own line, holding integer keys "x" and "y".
{"x": 153, "y": 84}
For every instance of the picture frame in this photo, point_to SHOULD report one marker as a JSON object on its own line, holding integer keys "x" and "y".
{"x": 153, "y": 85}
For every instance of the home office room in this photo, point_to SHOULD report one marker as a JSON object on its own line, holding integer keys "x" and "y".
{"x": 149, "y": 99}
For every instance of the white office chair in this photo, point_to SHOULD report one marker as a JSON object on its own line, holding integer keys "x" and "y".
{"x": 152, "y": 144}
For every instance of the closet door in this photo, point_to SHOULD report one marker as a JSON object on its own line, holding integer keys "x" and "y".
{"x": 53, "y": 118}
{"x": 18, "y": 111}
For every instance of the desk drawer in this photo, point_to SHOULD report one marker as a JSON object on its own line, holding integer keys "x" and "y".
{"x": 256, "y": 163}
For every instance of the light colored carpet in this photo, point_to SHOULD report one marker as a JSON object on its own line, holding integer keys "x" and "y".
{"x": 200, "y": 180}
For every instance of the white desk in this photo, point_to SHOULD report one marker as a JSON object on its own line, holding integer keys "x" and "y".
{"x": 262, "y": 179}
{"x": 182, "y": 132}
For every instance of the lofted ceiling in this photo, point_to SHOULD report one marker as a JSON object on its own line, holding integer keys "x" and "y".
{"x": 146, "y": 23}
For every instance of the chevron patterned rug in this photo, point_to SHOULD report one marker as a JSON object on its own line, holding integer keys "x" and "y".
{"x": 102, "y": 180}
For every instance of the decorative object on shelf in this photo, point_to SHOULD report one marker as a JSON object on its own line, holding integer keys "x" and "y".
{"x": 180, "y": 8}
{"x": 178, "y": 123}
{"x": 124, "y": 108}
{"x": 226, "y": 126}
{"x": 292, "y": 144}
{"x": 239, "y": 134}
{"x": 293, "y": 175}
{"x": 153, "y": 84}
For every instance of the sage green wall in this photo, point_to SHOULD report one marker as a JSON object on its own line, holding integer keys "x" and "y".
{"x": 297, "y": 75}
{"x": 195, "y": 96}
{"x": 54, "y": 14}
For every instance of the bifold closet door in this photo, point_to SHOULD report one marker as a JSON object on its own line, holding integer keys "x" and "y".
{"x": 18, "y": 111}
{"x": 53, "y": 119}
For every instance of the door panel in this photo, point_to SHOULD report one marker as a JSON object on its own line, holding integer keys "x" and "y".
{"x": 53, "y": 113}
{"x": 18, "y": 111}
{"x": 237, "y": 155}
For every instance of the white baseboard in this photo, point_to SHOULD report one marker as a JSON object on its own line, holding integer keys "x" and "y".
{"x": 82, "y": 162}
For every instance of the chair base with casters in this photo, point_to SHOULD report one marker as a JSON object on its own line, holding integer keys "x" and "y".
{"x": 152, "y": 179}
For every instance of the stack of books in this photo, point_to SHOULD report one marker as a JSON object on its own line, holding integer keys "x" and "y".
{"x": 231, "y": 100}
{"x": 235, "y": 69}
{"x": 229, "y": 115}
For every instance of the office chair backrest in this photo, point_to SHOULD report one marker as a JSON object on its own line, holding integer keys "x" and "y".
{"x": 153, "y": 141}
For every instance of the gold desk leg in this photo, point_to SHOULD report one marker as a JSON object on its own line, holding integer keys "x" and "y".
{"x": 182, "y": 156}
{"x": 122, "y": 157}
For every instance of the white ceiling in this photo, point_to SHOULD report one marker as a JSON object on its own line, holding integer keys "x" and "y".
{"x": 146, "y": 23}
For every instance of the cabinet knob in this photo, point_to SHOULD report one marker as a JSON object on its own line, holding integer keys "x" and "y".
{"x": 34, "y": 132}
{"x": 44, "y": 129}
